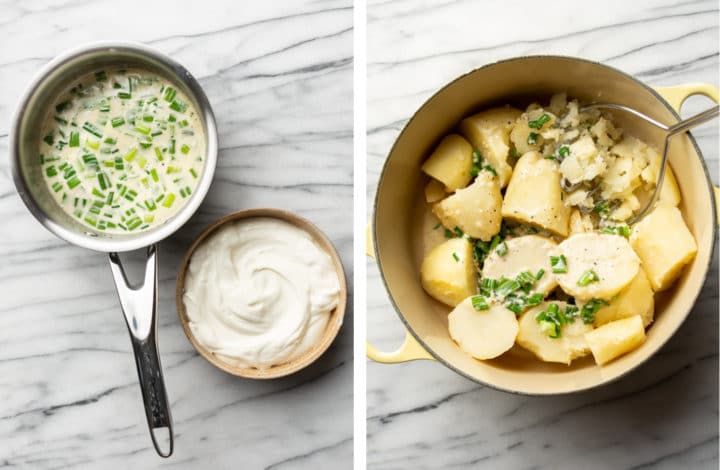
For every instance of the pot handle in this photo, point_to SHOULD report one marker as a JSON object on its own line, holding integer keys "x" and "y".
{"x": 676, "y": 96}
{"x": 410, "y": 350}
{"x": 139, "y": 306}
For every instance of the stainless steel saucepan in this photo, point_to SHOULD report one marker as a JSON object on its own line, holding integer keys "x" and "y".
{"x": 138, "y": 303}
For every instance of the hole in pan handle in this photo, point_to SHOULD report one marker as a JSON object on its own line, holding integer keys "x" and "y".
{"x": 139, "y": 306}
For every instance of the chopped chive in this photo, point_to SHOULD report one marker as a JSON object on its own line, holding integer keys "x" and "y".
{"x": 57, "y": 186}
{"x": 558, "y": 264}
{"x": 74, "y": 139}
{"x": 154, "y": 175}
{"x": 73, "y": 182}
{"x": 158, "y": 153}
{"x": 130, "y": 155}
{"x": 178, "y": 106}
{"x": 123, "y": 95}
{"x": 169, "y": 200}
{"x": 194, "y": 174}
{"x": 49, "y": 139}
{"x": 479, "y": 303}
{"x": 93, "y": 144}
{"x": 602, "y": 208}
{"x": 170, "y": 93}
{"x": 119, "y": 163}
{"x": 456, "y": 257}
{"x": 100, "y": 76}
{"x": 564, "y": 151}
{"x": 148, "y": 117}
{"x": 532, "y": 138}
{"x": 103, "y": 181}
{"x": 92, "y": 129}
{"x": 51, "y": 171}
{"x": 117, "y": 122}
{"x": 171, "y": 149}
{"x": 539, "y": 122}
{"x": 60, "y": 107}
{"x": 587, "y": 314}
{"x": 184, "y": 149}
{"x": 142, "y": 129}
{"x": 588, "y": 277}
{"x": 502, "y": 249}
{"x": 540, "y": 274}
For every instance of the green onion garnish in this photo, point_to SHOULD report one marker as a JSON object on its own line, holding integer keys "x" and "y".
{"x": 502, "y": 249}
{"x": 117, "y": 122}
{"x": 123, "y": 95}
{"x": 540, "y": 274}
{"x": 74, "y": 139}
{"x": 92, "y": 129}
{"x": 184, "y": 149}
{"x": 456, "y": 257}
{"x": 558, "y": 264}
{"x": 602, "y": 208}
{"x": 587, "y": 314}
{"x": 532, "y": 138}
{"x": 170, "y": 93}
{"x": 564, "y": 151}
{"x": 539, "y": 122}
{"x": 178, "y": 106}
{"x": 479, "y": 303}
{"x": 587, "y": 277}
{"x": 142, "y": 129}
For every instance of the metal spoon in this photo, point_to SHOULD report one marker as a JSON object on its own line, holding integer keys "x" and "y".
{"x": 670, "y": 131}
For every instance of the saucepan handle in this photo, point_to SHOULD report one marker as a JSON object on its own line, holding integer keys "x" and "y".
{"x": 139, "y": 306}
{"x": 410, "y": 350}
{"x": 676, "y": 96}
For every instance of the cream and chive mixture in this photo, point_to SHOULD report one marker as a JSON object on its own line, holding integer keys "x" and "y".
{"x": 122, "y": 150}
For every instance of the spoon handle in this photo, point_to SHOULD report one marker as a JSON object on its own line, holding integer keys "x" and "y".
{"x": 694, "y": 121}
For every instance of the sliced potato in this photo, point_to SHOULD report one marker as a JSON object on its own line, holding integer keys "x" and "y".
{"x": 526, "y": 253}
{"x": 534, "y": 196}
{"x": 451, "y": 162}
{"x": 636, "y": 299}
{"x": 664, "y": 244}
{"x": 610, "y": 257}
{"x": 448, "y": 273}
{"x": 434, "y": 191}
{"x": 483, "y": 334}
{"x": 475, "y": 209}
{"x": 570, "y": 345}
{"x": 489, "y": 132}
{"x": 615, "y": 338}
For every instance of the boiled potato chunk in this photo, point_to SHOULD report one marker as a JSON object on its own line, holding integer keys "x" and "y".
{"x": 534, "y": 196}
{"x": 526, "y": 253}
{"x": 664, "y": 244}
{"x": 570, "y": 345}
{"x": 610, "y": 257}
{"x": 451, "y": 162}
{"x": 520, "y": 134}
{"x": 475, "y": 209}
{"x": 636, "y": 299}
{"x": 489, "y": 132}
{"x": 483, "y": 334}
{"x": 615, "y": 338}
{"x": 434, "y": 191}
{"x": 446, "y": 278}
{"x": 670, "y": 191}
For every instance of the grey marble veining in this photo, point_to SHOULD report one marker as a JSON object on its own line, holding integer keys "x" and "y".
{"x": 279, "y": 77}
{"x": 422, "y": 415}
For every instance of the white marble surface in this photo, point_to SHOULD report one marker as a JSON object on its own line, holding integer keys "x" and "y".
{"x": 422, "y": 415}
{"x": 279, "y": 76}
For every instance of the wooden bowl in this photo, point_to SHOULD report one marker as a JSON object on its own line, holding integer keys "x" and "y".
{"x": 336, "y": 316}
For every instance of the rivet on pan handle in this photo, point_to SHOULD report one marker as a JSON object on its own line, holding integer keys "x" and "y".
{"x": 139, "y": 306}
{"x": 410, "y": 350}
{"x": 676, "y": 96}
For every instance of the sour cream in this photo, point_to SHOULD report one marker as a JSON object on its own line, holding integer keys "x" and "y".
{"x": 260, "y": 291}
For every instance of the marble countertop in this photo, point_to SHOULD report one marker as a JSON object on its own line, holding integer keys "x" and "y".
{"x": 279, "y": 77}
{"x": 422, "y": 415}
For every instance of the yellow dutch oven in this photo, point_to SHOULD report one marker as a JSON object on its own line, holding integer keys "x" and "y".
{"x": 394, "y": 237}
